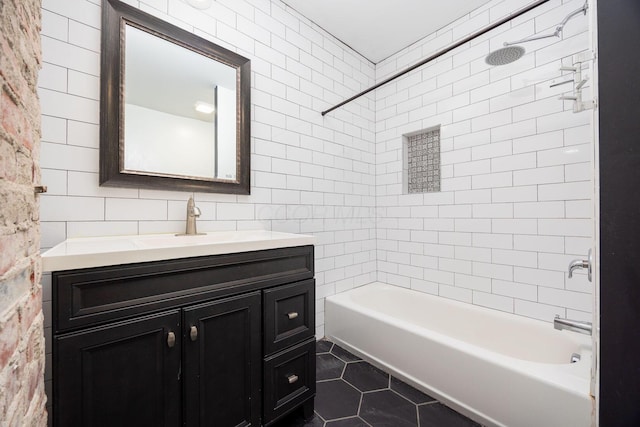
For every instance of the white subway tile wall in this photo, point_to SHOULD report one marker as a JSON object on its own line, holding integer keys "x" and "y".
{"x": 516, "y": 194}
{"x": 516, "y": 202}
{"x": 311, "y": 174}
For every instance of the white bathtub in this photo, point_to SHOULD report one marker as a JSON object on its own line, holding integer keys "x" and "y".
{"x": 497, "y": 368}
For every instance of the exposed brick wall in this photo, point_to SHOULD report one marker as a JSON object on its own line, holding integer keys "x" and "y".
{"x": 22, "y": 398}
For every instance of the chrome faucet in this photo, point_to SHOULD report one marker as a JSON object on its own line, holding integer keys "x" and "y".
{"x": 193, "y": 212}
{"x": 572, "y": 325}
{"x": 582, "y": 263}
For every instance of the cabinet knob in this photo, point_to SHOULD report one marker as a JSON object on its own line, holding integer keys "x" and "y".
{"x": 292, "y": 378}
{"x": 193, "y": 333}
{"x": 171, "y": 339}
{"x": 292, "y": 315}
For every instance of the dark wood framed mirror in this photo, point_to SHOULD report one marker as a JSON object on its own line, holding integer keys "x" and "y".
{"x": 174, "y": 107}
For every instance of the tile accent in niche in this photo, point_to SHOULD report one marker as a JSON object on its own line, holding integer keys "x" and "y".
{"x": 423, "y": 161}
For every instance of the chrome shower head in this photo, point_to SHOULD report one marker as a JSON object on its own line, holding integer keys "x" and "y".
{"x": 504, "y": 56}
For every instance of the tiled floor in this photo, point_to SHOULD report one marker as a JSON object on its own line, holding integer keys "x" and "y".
{"x": 353, "y": 393}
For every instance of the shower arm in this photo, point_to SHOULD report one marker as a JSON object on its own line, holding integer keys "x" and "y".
{"x": 558, "y": 30}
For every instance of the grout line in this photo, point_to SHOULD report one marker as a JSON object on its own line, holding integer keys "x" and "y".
{"x": 360, "y": 404}
{"x": 329, "y": 380}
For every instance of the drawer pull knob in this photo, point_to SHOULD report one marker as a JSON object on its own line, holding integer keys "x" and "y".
{"x": 292, "y": 379}
{"x": 171, "y": 339}
{"x": 193, "y": 333}
{"x": 292, "y": 315}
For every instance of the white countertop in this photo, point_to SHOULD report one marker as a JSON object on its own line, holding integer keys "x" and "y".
{"x": 114, "y": 250}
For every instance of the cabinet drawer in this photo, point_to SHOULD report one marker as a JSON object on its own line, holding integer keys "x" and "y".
{"x": 95, "y": 296}
{"x": 289, "y": 313}
{"x": 289, "y": 379}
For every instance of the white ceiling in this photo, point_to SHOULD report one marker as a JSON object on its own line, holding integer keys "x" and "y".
{"x": 379, "y": 28}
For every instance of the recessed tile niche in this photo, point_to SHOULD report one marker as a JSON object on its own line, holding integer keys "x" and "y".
{"x": 422, "y": 161}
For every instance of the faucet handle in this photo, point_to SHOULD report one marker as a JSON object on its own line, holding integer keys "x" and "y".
{"x": 196, "y": 211}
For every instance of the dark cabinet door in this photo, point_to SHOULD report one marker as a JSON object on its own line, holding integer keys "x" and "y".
{"x": 123, "y": 374}
{"x": 222, "y": 362}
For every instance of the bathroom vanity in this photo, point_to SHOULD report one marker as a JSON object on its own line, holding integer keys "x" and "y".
{"x": 213, "y": 330}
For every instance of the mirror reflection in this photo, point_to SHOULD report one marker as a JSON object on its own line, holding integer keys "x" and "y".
{"x": 175, "y": 108}
{"x": 179, "y": 111}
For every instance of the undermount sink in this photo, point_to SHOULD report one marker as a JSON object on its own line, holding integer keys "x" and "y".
{"x": 90, "y": 252}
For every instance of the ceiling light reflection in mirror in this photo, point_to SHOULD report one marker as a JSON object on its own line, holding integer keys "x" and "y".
{"x": 180, "y": 110}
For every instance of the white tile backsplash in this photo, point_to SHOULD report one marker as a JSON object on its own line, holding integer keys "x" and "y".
{"x": 493, "y": 300}
{"x": 489, "y": 240}
{"x": 456, "y": 293}
{"x": 304, "y": 166}
{"x": 566, "y": 155}
{"x": 574, "y": 300}
{"x": 58, "y": 52}
{"x": 538, "y": 142}
{"x": 54, "y": 129}
{"x": 514, "y": 290}
{"x": 100, "y": 228}
{"x": 582, "y": 190}
{"x": 68, "y": 208}
{"x": 135, "y": 209}
{"x": 82, "y": 134}
{"x": 540, "y": 175}
{"x": 516, "y": 162}
{"x": 537, "y": 310}
{"x": 59, "y": 104}
{"x": 56, "y": 181}
{"x": 539, "y": 277}
{"x": 84, "y": 36}
{"x": 516, "y": 258}
{"x": 493, "y": 210}
{"x": 553, "y": 244}
{"x": 83, "y": 84}
{"x": 519, "y": 159}
{"x": 53, "y": 77}
{"x": 473, "y": 282}
{"x": 513, "y": 130}
{"x": 492, "y": 270}
{"x": 68, "y": 157}
{"x": 539, "y": 210}
{"x": 492, "y": 180}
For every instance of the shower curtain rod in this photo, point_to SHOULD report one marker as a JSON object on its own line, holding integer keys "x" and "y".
{"x": 441, "y": 52}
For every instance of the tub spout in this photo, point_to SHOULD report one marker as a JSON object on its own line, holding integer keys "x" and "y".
{"x": 572, "y": 325}
{"x": 579, "y": 263}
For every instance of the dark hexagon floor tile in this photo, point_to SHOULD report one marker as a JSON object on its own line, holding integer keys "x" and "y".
{"x": 366, "y": 377}
{"x": 416, "y": 396}
{"x": 296, "y": 419}
{"x": 344, "y": 354}
{"x": 336, "y": 399}
{"x": 438, "y": 415}
{"x": 348, "y": 422}
{"x": 323, "y": 346}
{"x": 328, "y": 367}
{"x": 385, "y": 408}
